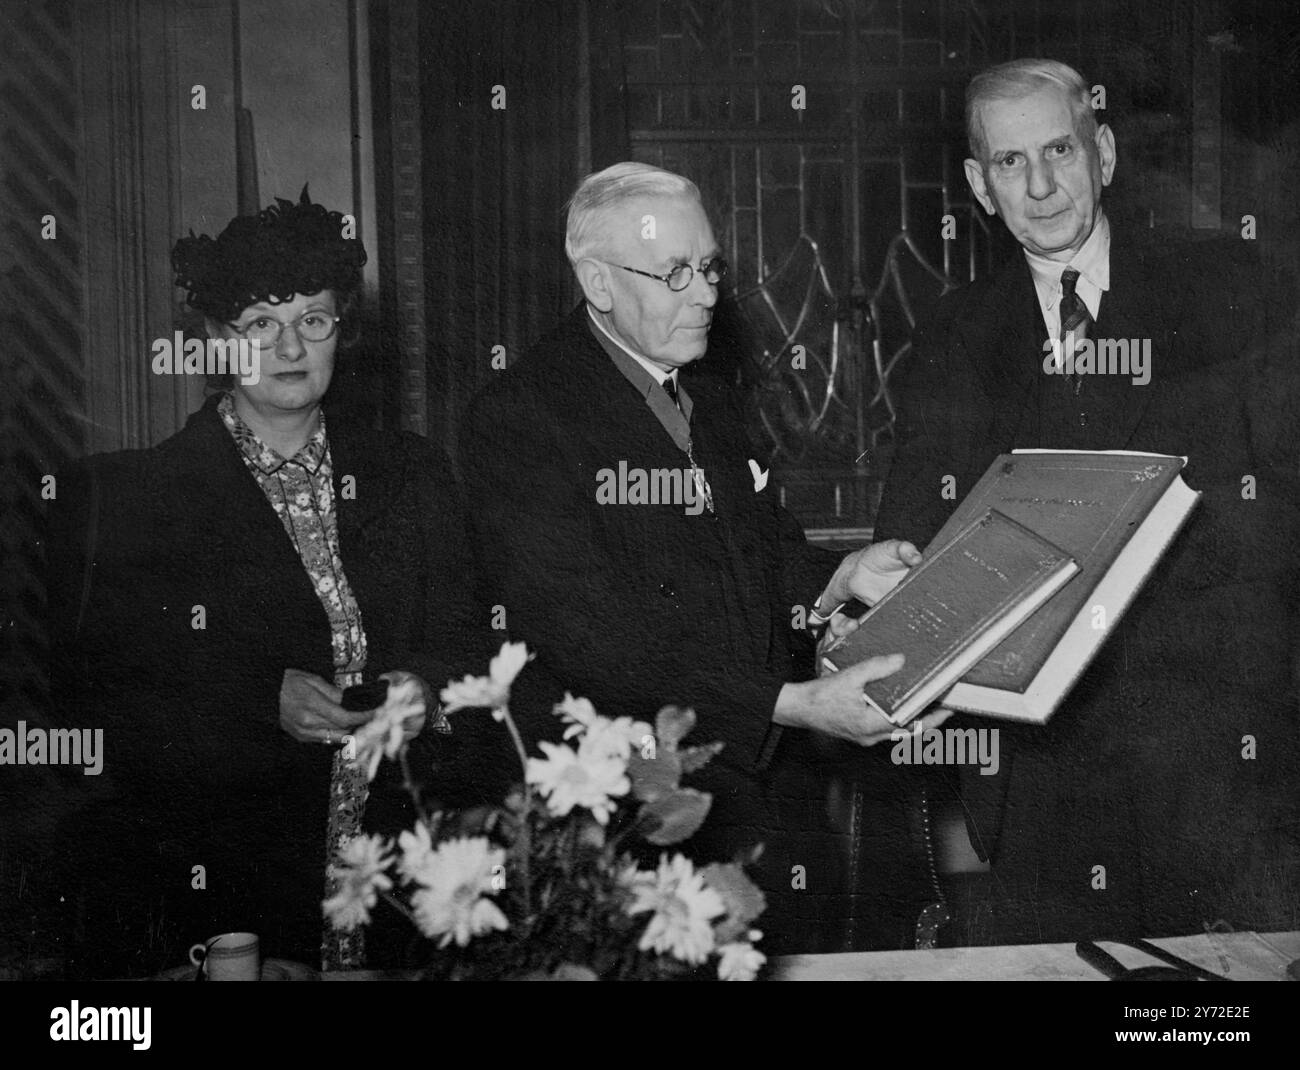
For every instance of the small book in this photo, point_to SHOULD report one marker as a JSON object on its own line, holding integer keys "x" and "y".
{"x": 952, "y": 609}
{"x": 1116, "y": 513}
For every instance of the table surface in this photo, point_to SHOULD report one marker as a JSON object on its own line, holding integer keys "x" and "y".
{"x": 1242, "y": 956}
{"x": 1245, "y": 956}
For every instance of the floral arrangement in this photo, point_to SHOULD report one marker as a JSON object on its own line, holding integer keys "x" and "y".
{"x": 547, "y": 885}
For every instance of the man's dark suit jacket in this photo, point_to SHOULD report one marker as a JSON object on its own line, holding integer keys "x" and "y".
{"x": 203, "y": 772}
{"x": 638, "y": 606}
{"x": 1141, "y": 769}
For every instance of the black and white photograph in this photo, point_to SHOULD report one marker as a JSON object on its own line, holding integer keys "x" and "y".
{"x": 707, "y": 490}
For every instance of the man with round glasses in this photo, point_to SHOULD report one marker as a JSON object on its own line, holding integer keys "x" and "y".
{"x": 626, "y": 525}
{"x": 714, "y": 271}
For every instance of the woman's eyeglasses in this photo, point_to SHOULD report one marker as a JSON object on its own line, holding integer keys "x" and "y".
{"x": 311, "y": 327}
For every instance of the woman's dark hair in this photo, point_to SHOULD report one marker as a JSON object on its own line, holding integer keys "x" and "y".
{"x": 285, "y": 249}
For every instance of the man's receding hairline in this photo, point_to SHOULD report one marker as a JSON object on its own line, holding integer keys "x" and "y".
{"x": 1018, "y": 79}
{"x": 632, "y": 207}
{"x": 1078, "y": 126}
{"x": 602, "y": 195}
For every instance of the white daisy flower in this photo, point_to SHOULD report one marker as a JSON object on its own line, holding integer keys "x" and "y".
{"x": 454, "y": 880}
{"x": 492, "y": 690}
{"x": 360, "y": 870}
{"x": 382, "y": 735}
{"x": 683, "y": 910}
{"x": 586, "y": 777}
{"x": 739, "y": 961}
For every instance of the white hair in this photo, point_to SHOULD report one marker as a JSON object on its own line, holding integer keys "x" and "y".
{"x": 598, "y": 196}
{"x": 1018, "y": 78}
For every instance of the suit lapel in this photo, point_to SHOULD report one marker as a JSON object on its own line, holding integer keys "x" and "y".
{"x": 1003, "y": 331}
{"x": 241, "y": 552}
{"x": 621, "y": 426}
{"x": 364, "y": 486}
{"x": 1003, "y": 334}
{"x": 616, "y": 412}
{"x": 1136, "y": 307}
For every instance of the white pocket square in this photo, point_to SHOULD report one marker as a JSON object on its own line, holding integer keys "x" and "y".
{"x": 760, "y": 476}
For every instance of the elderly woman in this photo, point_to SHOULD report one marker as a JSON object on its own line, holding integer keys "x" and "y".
{"x": 211, "y": 598}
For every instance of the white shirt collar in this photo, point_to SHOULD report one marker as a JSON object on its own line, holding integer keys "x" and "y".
{"x": 1092, "y": 261}
{"x": 660, "y": 376}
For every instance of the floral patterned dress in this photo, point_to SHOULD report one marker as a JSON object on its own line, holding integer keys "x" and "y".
{"x": 301, "y": 491}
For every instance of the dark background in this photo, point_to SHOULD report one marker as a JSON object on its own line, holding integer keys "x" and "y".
{"x": 831, "y": 215}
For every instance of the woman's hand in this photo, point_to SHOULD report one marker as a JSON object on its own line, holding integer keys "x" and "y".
{"x": 310, "y": 710}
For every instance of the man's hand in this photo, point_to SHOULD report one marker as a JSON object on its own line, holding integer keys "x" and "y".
{"x": 870, "y": 573}
{"x": 838, "y": 628}
{"x": 310, "y": 710}
{"x": 834, "y": 704}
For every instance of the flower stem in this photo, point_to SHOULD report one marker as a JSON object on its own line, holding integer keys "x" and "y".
{"x": 612, "y": 845}
{"x": 411, "y": 787}
{"x": 525, "y": 832}
{"x": 398, "y": 905}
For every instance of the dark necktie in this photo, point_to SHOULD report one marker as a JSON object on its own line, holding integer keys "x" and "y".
{"x": 671, "y": 389}
{"x": 697, "y": 473}
{"x": 1075, "y": 317}
{"x": 1076, "y": 320}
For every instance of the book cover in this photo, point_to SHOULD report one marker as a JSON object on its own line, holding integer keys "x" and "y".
{"x": 952, "y": 609}
{"x": 1115, "y": 513}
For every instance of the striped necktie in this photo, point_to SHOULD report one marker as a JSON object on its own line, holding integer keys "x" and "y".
{"x": 1075, "y": 317}
{"x": 1076, "y": 320}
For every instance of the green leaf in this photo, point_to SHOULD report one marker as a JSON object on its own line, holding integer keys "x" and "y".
{"x": 695, "y": 758}
{"x": 743, "y": 899}
{"x": 671, "y": 724}
{"x": 676, "y": 817}
{"x": 652, "y": 778}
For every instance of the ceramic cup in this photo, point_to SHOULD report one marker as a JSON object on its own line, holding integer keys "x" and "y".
{"x": 228, "y": 957}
